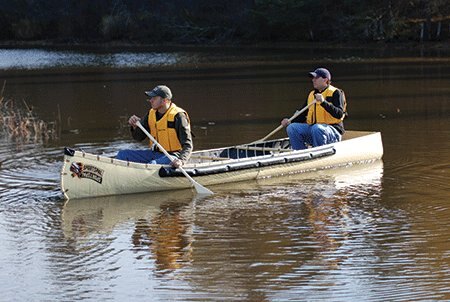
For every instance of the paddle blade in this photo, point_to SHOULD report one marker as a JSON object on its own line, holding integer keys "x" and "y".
{"x": 201, "y": 190}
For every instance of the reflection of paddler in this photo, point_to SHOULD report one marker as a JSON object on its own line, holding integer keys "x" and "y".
{"x": 168, "y": 236}
{"x": 325, "y": 211}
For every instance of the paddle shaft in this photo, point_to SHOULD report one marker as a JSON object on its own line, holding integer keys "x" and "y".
{"x": 297, "y": 113}
{"x": 198, "y": 187}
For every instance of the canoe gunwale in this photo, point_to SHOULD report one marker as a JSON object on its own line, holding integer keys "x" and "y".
{"x": 251, "y": 163}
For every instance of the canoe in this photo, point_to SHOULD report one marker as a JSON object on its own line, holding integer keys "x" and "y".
{"x": 89, "y": 175}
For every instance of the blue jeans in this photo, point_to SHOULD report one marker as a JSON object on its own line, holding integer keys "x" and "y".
{"x": 315, "y": 135}
{"x": 144, "y": 157}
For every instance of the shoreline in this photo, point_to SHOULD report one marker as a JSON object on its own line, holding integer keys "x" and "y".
{"x": 122, "y": 45}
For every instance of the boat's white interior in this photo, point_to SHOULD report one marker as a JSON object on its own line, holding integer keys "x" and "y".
{"x": 271, "y": 147}
{"x": 241, "y": 151}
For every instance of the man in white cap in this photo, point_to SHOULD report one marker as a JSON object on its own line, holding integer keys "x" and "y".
{"x": 322, "y": 123}
{"x": 168, "y": 124}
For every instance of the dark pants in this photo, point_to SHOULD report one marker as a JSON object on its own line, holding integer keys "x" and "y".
{"x": 143, "y": 156}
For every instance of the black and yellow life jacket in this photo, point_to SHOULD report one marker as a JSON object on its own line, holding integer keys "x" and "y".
{"x": 318, "y": 115}
{"x": 163, "y": 130}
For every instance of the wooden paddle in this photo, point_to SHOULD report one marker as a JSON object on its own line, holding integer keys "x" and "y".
{"x": 198, "y": 187}
{"x": 297, "y": 113}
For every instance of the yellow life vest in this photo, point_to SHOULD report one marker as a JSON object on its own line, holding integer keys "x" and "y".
{"x": 164, "y": 130}
{"x": 317, "y": 114}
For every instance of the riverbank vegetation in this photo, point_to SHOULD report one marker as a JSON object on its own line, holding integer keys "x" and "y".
{"x": 19, "y": 122}
{"x": 220, "y": 22}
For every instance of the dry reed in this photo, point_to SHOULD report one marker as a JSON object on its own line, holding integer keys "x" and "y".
{"x": 19, "y": 122}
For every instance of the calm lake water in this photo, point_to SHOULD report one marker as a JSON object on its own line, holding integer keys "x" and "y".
{"x": 378, "y": 232}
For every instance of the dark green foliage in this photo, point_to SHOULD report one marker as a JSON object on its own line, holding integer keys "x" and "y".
{"x": 205, "y": 21}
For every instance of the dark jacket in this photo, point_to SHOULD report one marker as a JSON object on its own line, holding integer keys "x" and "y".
{"x": 334, "y": 105}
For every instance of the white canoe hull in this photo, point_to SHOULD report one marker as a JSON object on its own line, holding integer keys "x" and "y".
{"x": 88, "y": 175}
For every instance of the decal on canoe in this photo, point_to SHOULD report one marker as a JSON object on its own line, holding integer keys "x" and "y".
{"x": 81, "y": 170}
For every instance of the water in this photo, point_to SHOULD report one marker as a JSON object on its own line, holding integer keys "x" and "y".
{"x": 377, "y": 232}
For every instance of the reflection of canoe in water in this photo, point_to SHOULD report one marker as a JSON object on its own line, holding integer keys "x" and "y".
{"x": 105, "y": 213}
{"x": 89, "y": 175}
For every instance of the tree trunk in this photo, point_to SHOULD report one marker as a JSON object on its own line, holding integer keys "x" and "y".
{"x": 438, "y": 31}
{"x": 422, "y": 30}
